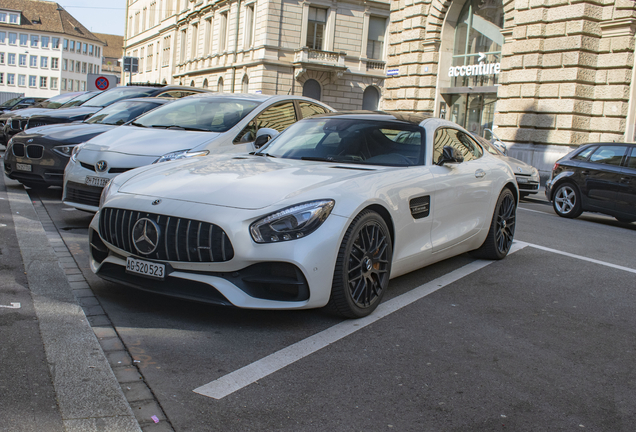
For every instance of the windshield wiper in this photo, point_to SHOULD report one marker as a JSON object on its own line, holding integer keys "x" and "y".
{"x": 138, "y": 124}
{"x": 180, "y": 128}
{"x": 264, "y": 154}
{"x": 316, "y": 158}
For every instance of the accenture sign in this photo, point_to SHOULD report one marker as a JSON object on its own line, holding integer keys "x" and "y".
{"x": 479, "y": 69}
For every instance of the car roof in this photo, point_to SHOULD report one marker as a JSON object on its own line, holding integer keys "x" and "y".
{"x": 157, "y": 100}
{"x": 405, "y": 117}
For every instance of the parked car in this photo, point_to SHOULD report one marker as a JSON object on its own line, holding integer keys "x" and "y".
{"x": 527, "y": 176}
{"x": 13, "y": 122}
{"x": 109, "y": 97}
{"x": 192, "y": 126}
{"x": 19, "y": 103}
{"x": 37, "y": 157}
{"x": 323, "y": 215}
{"x": 598, "y": 177}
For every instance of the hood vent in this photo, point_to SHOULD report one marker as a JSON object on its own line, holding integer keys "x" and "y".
{"x": 420, "y": 207}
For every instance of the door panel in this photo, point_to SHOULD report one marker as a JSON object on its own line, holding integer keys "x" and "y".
{"x": 600, "y": 177}
{"x": 626, "y": 196}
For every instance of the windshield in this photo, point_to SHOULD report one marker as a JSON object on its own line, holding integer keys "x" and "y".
{"x": 210, "y": 114}
{"x": 118, "y": 93}
{"x": 80, "y": 99}
{"x": 10, "y": 102}
{"x": 57, "y": 101}
{"x": 122, "y": 112}
{"x": 351, "y": 141}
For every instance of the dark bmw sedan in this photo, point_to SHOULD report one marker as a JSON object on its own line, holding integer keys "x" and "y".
{"x": 598, "y": 178}
{"x": 38, "y": 156}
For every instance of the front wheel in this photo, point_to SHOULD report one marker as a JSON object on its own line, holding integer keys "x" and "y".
{"x": 363, "y": 266}
{"x": 502, "y": 229}
{"x": 567, "y": 201}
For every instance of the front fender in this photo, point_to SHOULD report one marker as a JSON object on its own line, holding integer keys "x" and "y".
{"x": 549, "y": 187}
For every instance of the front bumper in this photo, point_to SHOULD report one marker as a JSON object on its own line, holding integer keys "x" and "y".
{"x": 296, "y": 274}
{"x": 76, "y": 192}
{"x": 45, "y": 167}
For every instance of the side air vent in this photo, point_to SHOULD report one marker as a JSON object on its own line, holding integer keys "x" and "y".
{"x": 420, "y": 207}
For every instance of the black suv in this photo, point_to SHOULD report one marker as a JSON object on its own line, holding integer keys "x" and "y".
{"x": 598, "y": 178}
{"x": 19, "y": 103}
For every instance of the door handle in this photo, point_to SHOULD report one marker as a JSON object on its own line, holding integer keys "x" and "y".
{"x": 480, "y": 173}
{"x": 586, "y": 172}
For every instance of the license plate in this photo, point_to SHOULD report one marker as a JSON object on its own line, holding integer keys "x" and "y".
{"x": 522, "y": 180}
{"x": 96, "y": 181}
{"x": 23, "y": 167}
{"x": 145, "y": 268}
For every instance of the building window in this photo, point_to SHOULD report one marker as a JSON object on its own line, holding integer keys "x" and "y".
{"x": 166, "y": 51}
{"x": 195, "y": 34}
{"x": 149, "y": 58}
{"x": 33, "y": 61}
{"x": 1, "y": 58}
{"x": 184, "y": 34}
{"x": 71, "y": 66}
{"x": 13, "y": 38}
{"x": 1, "y": 78}
{"x": 83, "y": 67}
{"x": 43, "y": 82}
{"x": 219, "y": 86}
{"x": 35, "y": 39}
{"x": 45, "y": 42}
{"x": 312, "y": 89}
{"x": 53, "y": 83}
{"x": 83, "y": 84}
{"x": 223, "y": 33}
{"x": 99, "y": 52}
{"x": 3, "y": 37}
{"x": 55, "y": 63}
{"x": 375, "y": 41}
{"x": 55, "y": 43}
{"x": 248, "y": 36}
{"x": 44, "y": 62}
{"x": 3, "y": 17}
{"x": 33, "y": 81}
{"x": 24, "y": 39}
{"x": 96, "y": 69}
{"x": 10, "y": 79}
{"x": 64, "y": 64}
{"x": 11, "y": 59}
{"x": 143, "y": 19}
{"x": 207, "y": 36}
{"x": 14, "y": 18}
{"x": 22, "y": 60}
{"x": 137, "y": 23}
{"x": 65, "y": 44}
{"x": 71, "y": 46}
{"x": 245, "y": 84}
{"x": 370, "y": 98}
{"x": 84, "y": 49}
{"x": 90, "y": 50}
{"x": 22, "y": 80}
{"x": 63, "y": 84}
{"x": 316, "y": 27}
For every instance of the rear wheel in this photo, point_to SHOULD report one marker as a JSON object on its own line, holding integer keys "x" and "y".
{"x": 363, "y": 267}
{"x": 567, "y": 201}
{"x": 502, "y": 229}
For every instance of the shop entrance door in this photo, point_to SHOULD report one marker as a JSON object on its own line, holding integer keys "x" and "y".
{"x": 473, "y": 111}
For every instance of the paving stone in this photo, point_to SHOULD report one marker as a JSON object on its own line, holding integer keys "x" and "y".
{"x": 75, "y": 278}
{"x": 79, "y": 284}
{"x": 99, "y": 320}
{"x": 126, "y": 374}
{"x": 118, "y": 358}
{"x": 83, "y": 292}
{"x": 137, "y": 392}
{"x": 145, "y": 410}
{"x": 93, "y": 310}
{"x": 105, "y": 332}
{"x": 111, "y": 344}
{"x": 88, "y": 301}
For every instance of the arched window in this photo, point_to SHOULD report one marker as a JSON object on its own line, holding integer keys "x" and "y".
{"x": 311, "y": 89}
{"x": 370, "y": 98}
{"x": 246, "y": 84}
{"x": 219, "y": 87}
{"x": 205, "y": 83}
{"x": 164, "y": 81}
{"x": 192, "y": 83}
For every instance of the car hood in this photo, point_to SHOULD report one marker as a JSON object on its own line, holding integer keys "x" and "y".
{"x": 518, "y": 166}
{"x": 139, "y": 141}
{"x": 79, "y": 112}
{"x": 246, "y": 182}
{"x": 73, "y": 133}
{"x": 26, "y": 112}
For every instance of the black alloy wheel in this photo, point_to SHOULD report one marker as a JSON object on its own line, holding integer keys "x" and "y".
{"x": 502, "y": 229}
{"x": 363, "y": 267}
{"x": 567, "y": 201}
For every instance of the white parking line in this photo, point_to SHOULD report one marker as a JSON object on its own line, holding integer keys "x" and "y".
{"x": 581, "y": 257}
{"x": 251, "y": 373}
{"x": 534, "y": 211}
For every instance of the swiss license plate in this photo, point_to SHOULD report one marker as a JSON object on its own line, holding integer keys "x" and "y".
{"x": 96, "y": 181}
{"x": 23, "y": 167}
{"x": 145, "y": 268}
{"x": 522, "y": 180}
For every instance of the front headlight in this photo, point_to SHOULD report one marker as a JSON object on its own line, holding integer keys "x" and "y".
{"x": 75, "y": 151}
{"x": 105, "y": 193}
{"x": 65, "y": 150}
{"x": 292, "y": 222}
{"x": 181, "y": 154}
{"x": 535, "y": 174}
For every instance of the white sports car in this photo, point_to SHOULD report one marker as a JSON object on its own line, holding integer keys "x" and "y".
{"x": 323, "y": 215}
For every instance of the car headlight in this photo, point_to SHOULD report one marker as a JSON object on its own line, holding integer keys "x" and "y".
{"x": 65, "y": 150}
{"x": 535, "y": 174}
{"x": 292, "y": 222}
{"x": 105, "y": 193}
{"x": 181, "y": 154}
{"x": 75, "y": 152}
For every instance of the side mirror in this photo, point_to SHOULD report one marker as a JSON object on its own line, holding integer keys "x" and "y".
{"x": 263, "y": 136}
{"x": 450, "y": 155}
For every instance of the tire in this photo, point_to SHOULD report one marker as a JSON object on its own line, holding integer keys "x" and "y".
{"x": 502, "y": 229}
{"x": 567, "y": 201}
{"x": 363, "y": 267}
{"x": 624, "y": 220}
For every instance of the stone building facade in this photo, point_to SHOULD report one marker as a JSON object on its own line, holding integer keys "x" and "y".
{"x": 562, "y": 71}
{"x": 330, "y": 50}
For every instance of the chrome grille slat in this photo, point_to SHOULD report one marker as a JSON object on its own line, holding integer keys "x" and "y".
{"x": 166, "y": 238}
{"x": 176, "y": 235}
{"x": 223, "y": 246}
{"x": 210, "y": 243}
{"x": 187, "y": 236}
{"x": 199, "y": 241}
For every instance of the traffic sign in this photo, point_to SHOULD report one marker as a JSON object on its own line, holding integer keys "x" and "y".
{"x": 101, "y": 83}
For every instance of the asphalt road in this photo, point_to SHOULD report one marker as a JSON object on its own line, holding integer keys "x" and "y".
{"x": 543, "y": 340}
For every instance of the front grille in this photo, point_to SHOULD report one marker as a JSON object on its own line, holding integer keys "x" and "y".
{"x": 179, "y": 239}
{"x": 34, "y": 151}
{"x": 82, "y": 194}
{"x": 87, "y": 166}
{"x": 18, "y": 150}
{"x": 31, "y": 124}
{"x": 110, "y": 171}
{"x": 18, "y": 124}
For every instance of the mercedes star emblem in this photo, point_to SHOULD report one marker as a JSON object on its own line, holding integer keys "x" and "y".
{"x": 145, "y": 234}
{"x": 101, "y": 166}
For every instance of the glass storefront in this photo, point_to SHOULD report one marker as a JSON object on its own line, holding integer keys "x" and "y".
{"x": 475, "y": 66}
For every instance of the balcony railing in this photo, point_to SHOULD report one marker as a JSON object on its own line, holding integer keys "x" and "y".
{"x": 308, "y": 55}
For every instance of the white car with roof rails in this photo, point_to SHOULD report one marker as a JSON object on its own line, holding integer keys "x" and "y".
{"x": 323, "y": 215}
{"x": 192, "y": 126}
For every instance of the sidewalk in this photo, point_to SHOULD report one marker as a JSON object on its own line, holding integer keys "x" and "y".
{"x": 55, "y": 374}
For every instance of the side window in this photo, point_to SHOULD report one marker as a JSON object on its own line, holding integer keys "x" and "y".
{"x": 609, "y": 155}
{"x": 584, "y": 154}
{"x": 631, "y": 163}
{"x": 458, "y": 140}
{"x": 278, "y": 117}
{"x": 308, "y": 109}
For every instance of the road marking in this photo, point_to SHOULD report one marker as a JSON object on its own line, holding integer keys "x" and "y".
{"x": 581, "y": 257}
{"x": 251, "y": 373}
{"x": 13, "y": 306}
{"x": 534, "y": 211}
